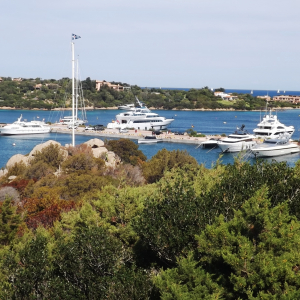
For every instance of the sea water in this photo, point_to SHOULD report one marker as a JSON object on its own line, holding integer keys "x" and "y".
{"x": 206, "y": 122}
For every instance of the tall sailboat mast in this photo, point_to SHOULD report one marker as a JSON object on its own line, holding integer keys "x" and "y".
{"x": 74, "y": 37}
{"x": 76, "y": 91}
{"x": 73, "y": 95}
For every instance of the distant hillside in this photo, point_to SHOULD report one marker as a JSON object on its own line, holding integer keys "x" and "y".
{"x": 50, "y": 93}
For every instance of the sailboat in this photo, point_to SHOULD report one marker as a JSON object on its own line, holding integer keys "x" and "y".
{"x": 74, "y": 37}
{"x": 77, "y": 93}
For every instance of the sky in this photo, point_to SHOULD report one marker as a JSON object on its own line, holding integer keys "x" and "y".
{"x": 234, "y": 44}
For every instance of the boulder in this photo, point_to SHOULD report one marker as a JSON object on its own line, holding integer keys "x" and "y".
{"x": 9, "y": 192}
{"x": 112, "y": 160}
{"x": 95, "y": 143}
{"x": 17, "y": 159}
{"x": 99, "y": 152}
{"x": 39, "y": 147}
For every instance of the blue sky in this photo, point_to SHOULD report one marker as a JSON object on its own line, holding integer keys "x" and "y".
{"x": 192, "y": 43}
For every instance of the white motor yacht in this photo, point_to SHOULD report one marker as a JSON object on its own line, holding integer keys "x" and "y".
{"x": 238, "y": 141}
{"x": 23, "y": 127}
{"x": 270, "y": 127}
{"x": 140, "y": 118}
{"x": 149, "y": 139}
{"x": 68, "y": 120}
{"x": 281, "y": 145}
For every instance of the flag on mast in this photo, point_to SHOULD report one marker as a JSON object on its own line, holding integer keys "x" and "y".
{"x": 75, "y": 37}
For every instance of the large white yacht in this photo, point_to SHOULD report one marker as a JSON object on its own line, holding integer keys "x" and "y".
{"x": 270, "y": 127}
{"x": 23, "y": 127}
{"x": 140, "y": 118}
{"x": 237, "y": 141}
{"x": 280, "y": 145}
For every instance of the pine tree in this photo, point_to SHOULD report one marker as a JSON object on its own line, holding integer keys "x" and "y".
{"x": 9, "y": 222}
{"x": 255, "y": 255}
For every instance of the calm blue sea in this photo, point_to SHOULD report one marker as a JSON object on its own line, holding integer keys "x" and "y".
{"x": 255, "y": 93}
{"x": 206, "y": 122}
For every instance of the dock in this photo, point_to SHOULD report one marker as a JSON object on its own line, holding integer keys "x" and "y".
{"x": 167, "y": 137}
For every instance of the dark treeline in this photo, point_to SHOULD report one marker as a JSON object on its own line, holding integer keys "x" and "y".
{"x": 51, "y": 93}
{"x": 166, "y": 228}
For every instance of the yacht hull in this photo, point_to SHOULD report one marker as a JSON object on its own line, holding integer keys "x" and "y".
{"x": 275, "y": 151}
{"x": 22, "y": 132}
{"x": 236, "y": 147}
{"x": 142, "y": 141}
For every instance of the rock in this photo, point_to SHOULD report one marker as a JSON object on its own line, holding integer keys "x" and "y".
{"x": 9, "y": 191}
{"x": 3, "y": 172}
{"x": 17, "y": 159}
{"x": 11, "y": 178}
{"x": 40, "y": 147}
{"x": 112, "y": 160}
{"x": 95, "y": 143}
{"x": 99, "y": 152}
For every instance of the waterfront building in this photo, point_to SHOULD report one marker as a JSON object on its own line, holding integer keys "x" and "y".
{"x": 17, "y": 79}
{"x": 267, "y": 98}
{"x": 117, "y": 87}
{"x": 287, "y": 98}
{"x": 225, "y": 96}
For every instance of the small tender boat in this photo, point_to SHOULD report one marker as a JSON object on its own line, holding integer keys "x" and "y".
{"x": 238, "y": 141}
{"x": 149, "y": 139}
{"x": 275, "y": 147}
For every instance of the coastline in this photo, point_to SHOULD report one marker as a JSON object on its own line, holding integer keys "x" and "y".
{"x": 151, "y": 108}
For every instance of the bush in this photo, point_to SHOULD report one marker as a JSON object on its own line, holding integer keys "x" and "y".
{"x": 126, "y": 150}
{"x": 165, "y": 160}
{"x": 39, "y": 170}
{"x": 17, "y": 169}
{"x": 51, "y": 155}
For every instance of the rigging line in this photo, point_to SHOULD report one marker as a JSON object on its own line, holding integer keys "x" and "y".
{"x": 212, "y": 149}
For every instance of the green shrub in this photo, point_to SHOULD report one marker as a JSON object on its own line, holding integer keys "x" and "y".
{"x": 51, "y": 155}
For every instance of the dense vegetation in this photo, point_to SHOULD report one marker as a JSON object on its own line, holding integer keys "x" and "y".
{"x": 50, "y": 94}
{"x": 166, "y": 228}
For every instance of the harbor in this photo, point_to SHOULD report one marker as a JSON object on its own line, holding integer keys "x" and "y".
{"x": 212, "y": 124}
